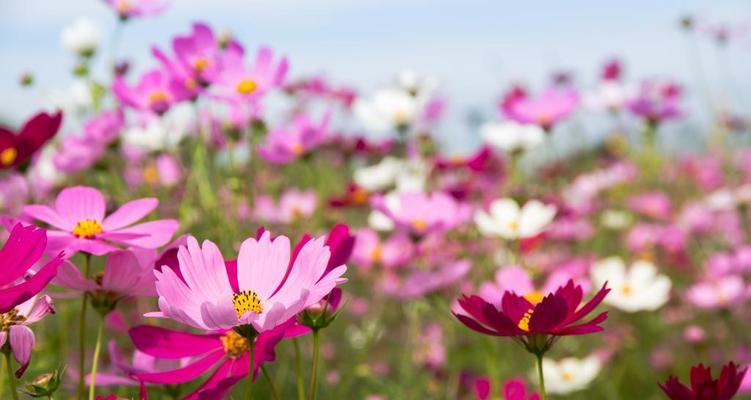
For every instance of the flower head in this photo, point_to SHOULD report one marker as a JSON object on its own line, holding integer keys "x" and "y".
{"x": 284, "y": 145}
{"x": 703, "y": 387}
{"x": 570, "y": 374}
{"x": 79, "y": 223}
{"x": 507, "y": 220}
{"x": 551, "y": 107}
{"x": 637, "y": 288}
{"x": 155, "y": 93}
{"x": 137, "y": 8}
{"x": 657, "y": 101}
{"x": 512, "y": 136}
{"x": 420, "y": 213}
{"x": 14, "y": 330}
{"x": 239, "y": 83}
{"x": 534, "y": 321}
{"x": 272, "y": 287}
{"x": 16, "y": 149}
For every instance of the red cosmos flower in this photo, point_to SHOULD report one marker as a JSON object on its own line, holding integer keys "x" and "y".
{"x": 15, "y": 149}
{"x": 535, "y": 321}
{"x": 703, "y": 387}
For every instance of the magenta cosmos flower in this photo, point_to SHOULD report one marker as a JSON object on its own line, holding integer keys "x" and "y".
{"x": 14, "y": 329}
{"x": 549, "y": 108}
{"x": 227, "y": 349}
{"x": 533, "y": 320}
{"x": 513, "y": 389}
{"x": 657, "y": 101}
{"x": 703, "y": 387}
{"x": 270, "y": 289}
{"x": 284, "y": 145}
{"x": 24, "y": 248}
{"x": 15, "y": 149}
{"x": 420, "y": 213}
{"x": 137, "y": 8}
{"x": 240, "y": 83}
{"x": 155, "y": 92}
{"x": 80, "y": 224}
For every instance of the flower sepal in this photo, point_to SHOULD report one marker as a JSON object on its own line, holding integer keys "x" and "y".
{"x": 44, "y": 385}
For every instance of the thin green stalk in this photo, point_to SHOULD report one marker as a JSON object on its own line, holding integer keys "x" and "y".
{"x": 11, "y": 378}
{"x": 95, "y": 359}
{"x": 314, "y": 367}
{"x": 274, "y": 391}
{"x": 250, "y": 370}
{"x": 543, "y": 394}
{"x": 298, "y": 371}
{"x": 82, "y": 331}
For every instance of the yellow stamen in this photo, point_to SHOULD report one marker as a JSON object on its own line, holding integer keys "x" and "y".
{"x": 524, "y": 322}
{"x": 87, "y": 229}
{"x": 297, "y": 148}
{"x": 513, "y": 226}
{"x": 545, "y": 119}
{"x": 534, "y": 297}
{"x": 200, "y": 65}
{"x": 567, "y": 376}
{"x": 191, "y": 84}
{"x": 626, "y": 289}
{"x": 246, "y": 86}
{"x": 123, "y": 6}
{"x": 158, "y": 96}
{"x": 247, "y": 301}
{"x": 234, "y": 344}
{"x": 9, "y": 319}
{"x": 151, "y": 175}
{"x": 419, "y": 225}
{"x": 359, "y": 196}
{"x": 8, "y": 156}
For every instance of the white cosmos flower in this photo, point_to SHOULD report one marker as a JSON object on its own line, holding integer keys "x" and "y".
{"x": 161, "y": 133}
{"x": 386, "y": 110}
{"x": 82, "y": 37}
{"x": 507, "y": 220}
{"x": 405, "y": 175}
{"x": 76, "y": 98}
{"x": 570, "y": 374}
{"x": 512, "y": 136}
{"x": 637, "y": 288}
{"x": 608, "y": 96}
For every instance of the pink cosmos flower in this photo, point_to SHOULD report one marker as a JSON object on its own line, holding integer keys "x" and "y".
{"x": 224, "y": 348}
{"x": 551, "y": 107}
{"x": 155, "y": 92}
{"x": 21, "y": 252}
{"x": 79, "y": 152}
{"x": 718, "y": 292}
{"x": 270, "y": 290}
{"x": 15, "y": 331}
{"x": 284, "y": 145}
{"x": 79, "y": 223}
{"x": 420, "y": 213}
{"x": 391, "y": 253}
{"x": 657, "y": 101}
{"x": 121, "y": 371}
{"x": 293, "y": 205}
{"x": 137, "y": 8}
{"x": 240, "y": 83}
{"x": 434, "y": 278}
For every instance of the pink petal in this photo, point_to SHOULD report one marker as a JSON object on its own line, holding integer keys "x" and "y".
{"x": 68, "y": 276}
{"x": 80, "y": 203}
{"x": 158, "y": 233}
{"x": 129, "y": 213}
{"x": 262, "y": 264}
{"x": 13, "y": 296}
{"x": 22, "y": 249}
{"x": 22, "y": 343}
{"x": 166, "y": 343}
{"x": 184, "y": 374}
{"x": 48, "y": 216}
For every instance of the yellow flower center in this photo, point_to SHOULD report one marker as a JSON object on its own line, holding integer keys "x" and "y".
{"x": 234, "y": 344}
{"x": 8, "y": 156}
{"x": 544, "y": 119}
{"x": 191, "y": 83}
{"x": 158, "y": 96}
{"x": 534, "y": 297}
{"x": 246, "y": 301}
{"x": 524, "y": 322}
{"x": 9, "y": 319}
{"x": 151, "y": 174}
{"x": 200, "y": 64}
{"x": 626, "y": 289}
{"x": 567, "y": 376}
{"x": 297, "y": 148}
{"x": 87, "y": 229}
{"x": 419, "y": 225}
{"x": 513, "y": 225}
{"x": 246, "y": 86}
{"x": 359, "y": 196}
{"x": 376, "y": 254}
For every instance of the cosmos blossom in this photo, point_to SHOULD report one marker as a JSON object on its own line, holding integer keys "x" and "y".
{"x": 79, "y": 223}
{"x": 272, "y": 287}
{"x": 15, "y": 331}
{"x": 703, "y": 387}
{"x": 284, "y": 145}
{"x": 225, "y": 349}
{"x": 530, "y": 319}
{"x": 154, "y": 93}
{"x": 419, "y": 213}
{"x": 513, "y": 389}
{"x": 17, "y": 148}
{"x": 551, "y": 107}
{"x": 239, "y": 83}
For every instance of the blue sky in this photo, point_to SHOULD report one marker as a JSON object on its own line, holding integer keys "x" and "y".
{"x": 474, "y": 47}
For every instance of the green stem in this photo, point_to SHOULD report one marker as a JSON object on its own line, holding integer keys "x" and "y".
{"x": 11, "y": 378}
{"x": 274, "y": 391}
{"x": 250, "y": 370}
{"x": 541, "y": 377}
{"x": 314, "y": 368}
{"x": 82, "y": 331}
{"x": 95, "y": 359}
{"x": 298, "y": 370}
